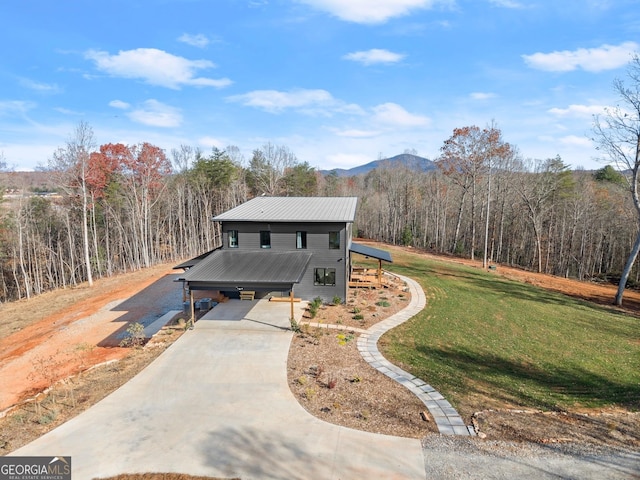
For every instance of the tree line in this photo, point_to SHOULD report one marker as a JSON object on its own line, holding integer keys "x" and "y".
{"x": 120, "y": 208}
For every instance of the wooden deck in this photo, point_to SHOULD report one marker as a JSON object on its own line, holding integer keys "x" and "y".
{"x": 366, "y": 278}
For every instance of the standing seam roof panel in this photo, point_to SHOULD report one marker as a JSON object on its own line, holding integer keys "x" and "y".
{"x": 293, "y": 209}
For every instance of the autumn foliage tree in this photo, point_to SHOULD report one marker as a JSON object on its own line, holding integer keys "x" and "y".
{"x": 467, "y": 157}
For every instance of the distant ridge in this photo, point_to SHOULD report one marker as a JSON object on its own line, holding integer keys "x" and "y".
{"x": 408, "y": 160}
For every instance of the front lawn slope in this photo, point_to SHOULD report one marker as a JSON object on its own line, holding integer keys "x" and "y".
{"x": 487, "y": 342}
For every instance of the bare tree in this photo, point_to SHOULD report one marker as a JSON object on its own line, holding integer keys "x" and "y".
{"x": 538, "y": 191}
{"x": 617, "y": 133}
{"x": 268, "y": 167}
{"x": 70, "y": 165}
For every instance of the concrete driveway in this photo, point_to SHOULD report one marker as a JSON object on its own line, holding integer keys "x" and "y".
{"x": 217, "y": 403}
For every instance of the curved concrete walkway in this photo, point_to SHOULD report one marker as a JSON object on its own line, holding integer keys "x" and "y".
{"x": 446, "y": 417}
{"x": 217, "y": 403}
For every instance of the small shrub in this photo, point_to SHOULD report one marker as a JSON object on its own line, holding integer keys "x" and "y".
{"x": 47, "y": 418}
{"x": 316, "y": 370}
{"x": 134, "y": 336}
{"x": 309, "y": 393}
{"x": 332, "y": 382}
{"x": 355, "y": 310}
{"x": 383, "y": 303}
{"x": 344, "y": 339}
{"x": 359, "y": 316}
{"x": 295, "y": 327}
{"x": 301, "y": 380}
{"x": 337, "y": 300}
{"x": 356, "y": 379}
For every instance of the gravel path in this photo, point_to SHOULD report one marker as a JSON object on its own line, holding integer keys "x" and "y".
{"x": 448, "y": 457}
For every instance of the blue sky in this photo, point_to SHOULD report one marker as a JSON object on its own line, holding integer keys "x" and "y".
{"x": 339, "y": 82}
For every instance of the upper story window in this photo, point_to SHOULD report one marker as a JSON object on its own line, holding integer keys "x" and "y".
{"x": 265, "y": 239}
{"x": 334, "y": 240}
{"x": 301, "y": 239}
{"x": 233, "y": 238}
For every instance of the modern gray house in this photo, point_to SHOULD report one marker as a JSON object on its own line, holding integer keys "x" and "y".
{"x": 297, "y": 246}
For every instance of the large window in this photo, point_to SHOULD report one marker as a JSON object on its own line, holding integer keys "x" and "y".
{"x": 324, "y": 276}
{"x": 334, "y": 240}
{"x": 301, "y": 239}
{"x": 233, "y": 238}
{"x": 265, "y": 239}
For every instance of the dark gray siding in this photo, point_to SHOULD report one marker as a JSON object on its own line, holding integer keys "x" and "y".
{"x": 283, "y": 238}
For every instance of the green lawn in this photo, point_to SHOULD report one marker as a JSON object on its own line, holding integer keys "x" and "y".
{"x": 484, "y": 341}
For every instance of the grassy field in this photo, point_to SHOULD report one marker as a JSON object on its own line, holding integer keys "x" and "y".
{"x": 487, "y": 342}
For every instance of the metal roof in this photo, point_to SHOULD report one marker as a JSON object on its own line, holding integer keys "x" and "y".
{"x": 194, "y": 261}
{"x": 293, "y": 209}
{"x": 242, "y": 267}
{"x": 370, "y": 252}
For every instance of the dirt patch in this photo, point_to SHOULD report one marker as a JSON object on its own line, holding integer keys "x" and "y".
{"x": 618, "y": 429}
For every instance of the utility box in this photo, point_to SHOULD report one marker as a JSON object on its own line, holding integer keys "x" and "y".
{"x": 205, "y": 304}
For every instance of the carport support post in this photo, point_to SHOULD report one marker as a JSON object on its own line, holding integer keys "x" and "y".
{"x": 291, "y": 301}
{"x": 193, "y": 307}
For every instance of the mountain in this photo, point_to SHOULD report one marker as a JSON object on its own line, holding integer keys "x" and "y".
{"x": 404, "y": 159}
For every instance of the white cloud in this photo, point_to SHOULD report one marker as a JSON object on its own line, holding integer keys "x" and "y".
{"x": 605, "y": 57}
{"x": 156, "y": 114}
{"x": 312, "y": 102}
{"x": 482, "y": 95}
{"x": 394, "y": 114}
{"x": 507, "y": 3}
{"x": 39, "y": 87}
{"x": 155, "y": 67}
{"x": 578, "y": 111}
{"x": 12, "y": 107}
{"x": 210, "y": 142}
{"x": 373, "y": 56}
{"x": 355, "y": 133}
{"x": 370, "y": 11}
{"x": 119, "y": 104}
{"x": 66, "y": 111}
{"x": 198, "y": 40}
{"x": 576, "y": 141}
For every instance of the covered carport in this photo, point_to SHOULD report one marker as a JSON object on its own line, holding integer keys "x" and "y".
{"x": 241, "y": 271}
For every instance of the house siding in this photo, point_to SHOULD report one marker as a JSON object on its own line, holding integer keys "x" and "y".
{"x": 283, "y": 238}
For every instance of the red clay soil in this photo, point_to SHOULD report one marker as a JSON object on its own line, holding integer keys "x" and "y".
{"x": 69, "y": 339}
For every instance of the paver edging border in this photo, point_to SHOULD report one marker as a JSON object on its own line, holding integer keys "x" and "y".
{"x": 447, "y": 419}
